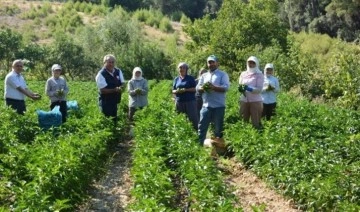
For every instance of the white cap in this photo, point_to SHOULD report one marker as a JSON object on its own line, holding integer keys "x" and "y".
{"x": 269, "y": 65}
{"x": 56, "y": 67}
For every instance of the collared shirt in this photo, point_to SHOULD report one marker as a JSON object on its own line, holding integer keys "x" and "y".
{"x": 100, "y": 79}
{"x": 53, "y": 85}
{"x": 269, "y": 97}
{"x": 14, "y": 80}
{"x": 214, "y": 99}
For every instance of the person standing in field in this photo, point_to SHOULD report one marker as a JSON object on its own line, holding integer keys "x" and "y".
{"x": 213, "y": 85}
{"x": 138, "y": 91}
{"x": 270, "y": 89}
{"x": 252, "y": 81}
{"x": 16, "y": 88}
{"x": 56, "y": 89}
{"x": 184, "y": 91}
{"x": 198, "y": 95}
{"x": 110, "y": 81}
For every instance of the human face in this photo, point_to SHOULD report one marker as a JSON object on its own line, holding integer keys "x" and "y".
{"x": 212, "y": 65}
{"x": 18, "y": 67}
{"x": 138, "y": 74}
{"x": 251, "y": 64}
{"x": 182, "y": 71}
{"x": 269, "y": 71}
{"x": 57, "y": 73}
{"x": 110, "y": 64}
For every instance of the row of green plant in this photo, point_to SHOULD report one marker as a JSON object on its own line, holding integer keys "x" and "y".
{"x": 309, "y": 152}
{"x": 171, "y": 171}
{"x": 53, "y": 170}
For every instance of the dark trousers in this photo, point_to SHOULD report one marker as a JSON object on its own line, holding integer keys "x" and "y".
{"x": 199, "y": 103}
{"x": 18, "y": 105}
{"x": 189, "y": 108}
{"x": 63, "y": 109}
{"x": 109, "y": 108}
{"x": 268, "y": 110}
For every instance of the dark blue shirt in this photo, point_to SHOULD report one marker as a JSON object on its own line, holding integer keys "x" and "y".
{"x": 187, "y": 82}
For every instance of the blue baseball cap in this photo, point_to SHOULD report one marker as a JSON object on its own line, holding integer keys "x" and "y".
{"x": 212, "y": 58}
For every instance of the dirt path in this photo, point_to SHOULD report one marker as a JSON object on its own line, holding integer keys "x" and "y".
{"x": 252, "y": 192}
{"x": 112, "y": 192}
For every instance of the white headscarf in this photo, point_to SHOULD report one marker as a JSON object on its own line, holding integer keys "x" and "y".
{"x": 269, "y": 65}
{"x": 256, "y": 68}
{"x": 136, "y": 69}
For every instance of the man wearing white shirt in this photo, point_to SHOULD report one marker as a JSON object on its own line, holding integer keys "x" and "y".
{"x": 110, "y": 81}
{"x": 16, "y": 88}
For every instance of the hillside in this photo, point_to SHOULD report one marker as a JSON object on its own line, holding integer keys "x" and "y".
{"x": 12, "y": 16}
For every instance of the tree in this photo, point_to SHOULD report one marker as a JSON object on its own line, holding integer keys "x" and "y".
{"x": 344, "y": 16}
{"x": 10, "y": 44}
{"x": 239, "y": 30}
{"x": 71, "y": 57}
{"x": 34, "y": 55}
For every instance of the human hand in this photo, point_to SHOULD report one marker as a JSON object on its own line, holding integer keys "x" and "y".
{"x": 36, "y": 96}
{"x": 248, "y": 88}
{"x": 180, "y": 90}
{"x": 241, "y": 88}
{"x": 207, "y": 87}
{"x": 138, "y": 91}
{"x": 60, "y": 93}
{"x": 119, "y": 89}
{"x": 270, "y": 88}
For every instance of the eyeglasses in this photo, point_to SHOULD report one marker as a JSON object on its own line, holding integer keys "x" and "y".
{"x": 19, "y": 66}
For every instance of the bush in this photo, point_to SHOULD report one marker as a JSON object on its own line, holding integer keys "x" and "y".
{"x": 165, "y": 25}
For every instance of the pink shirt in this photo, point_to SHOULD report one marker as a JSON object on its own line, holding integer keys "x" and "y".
{"x": 255, "y": 81}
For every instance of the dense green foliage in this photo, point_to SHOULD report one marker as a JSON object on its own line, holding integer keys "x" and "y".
{"x": 171, "y": 171}
{"x": 309, "y": 152}
{"x": 52, "y": 170}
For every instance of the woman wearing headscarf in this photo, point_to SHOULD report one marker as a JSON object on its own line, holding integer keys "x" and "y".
{"x": 184, "y": 90}
{"x": 138, "y": 91}
{"x": 56, "y": 88}
{"x": 270, "y": 89}
{"x": 251, "y": 81}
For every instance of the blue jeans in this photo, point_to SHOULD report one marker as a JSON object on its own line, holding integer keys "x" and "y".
{"x": 211, "y": 115}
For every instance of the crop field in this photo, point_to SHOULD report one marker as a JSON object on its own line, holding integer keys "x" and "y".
{"x": 307, "y": 152}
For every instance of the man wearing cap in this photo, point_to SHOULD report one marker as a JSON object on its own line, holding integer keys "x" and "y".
{"x": 213, "y": 85}
{"x": 16, "y": 88}
{"x": 109, "y": 81}
{"x": 56, "y": 89}
{"x": 270, "y": 89}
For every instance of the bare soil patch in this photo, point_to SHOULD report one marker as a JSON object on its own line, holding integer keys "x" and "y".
{"x": 112, "y": 193}
{"x": 252, "y": 192}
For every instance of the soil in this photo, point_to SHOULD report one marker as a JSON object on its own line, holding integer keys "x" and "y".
{"x": 112, "y": 193}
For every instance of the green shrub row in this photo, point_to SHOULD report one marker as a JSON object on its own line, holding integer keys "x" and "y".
{"x": 52, "y": 170}
{"x": 167, "y": 140}
{"x": 309, "y": 152}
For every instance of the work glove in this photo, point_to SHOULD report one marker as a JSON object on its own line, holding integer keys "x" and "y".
{"x": 248, "y": 88}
